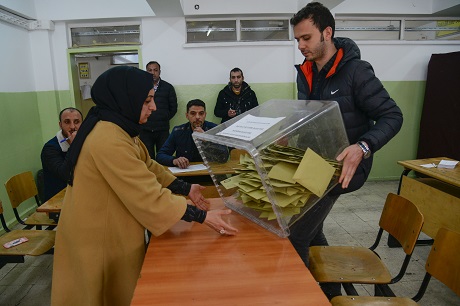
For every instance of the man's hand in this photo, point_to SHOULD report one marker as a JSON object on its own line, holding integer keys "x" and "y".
{"x": 181, "y": 162}
{"x": 198, "y": 129}
{"x": 197, "y": 198}
{"x": 231, "y": 113}
{"x": 71, "y": 137}
{"x": 351, "y": 157}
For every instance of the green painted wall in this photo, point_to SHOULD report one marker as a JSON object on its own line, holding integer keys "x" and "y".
{"x": 21, "y": 141}
{"x": 409, "y": 96}
{"x": 29, "y": 119}
{"x": 208, "y": 93}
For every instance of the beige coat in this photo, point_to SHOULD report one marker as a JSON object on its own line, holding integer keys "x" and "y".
{"x": 117, "y": 193}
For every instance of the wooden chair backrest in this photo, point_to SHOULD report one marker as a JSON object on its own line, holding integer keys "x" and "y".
{"x": 20, "y": 188}
{"x": 403, "y": 220}
{"x": 443, "y": 262}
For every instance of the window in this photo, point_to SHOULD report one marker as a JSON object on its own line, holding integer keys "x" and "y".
{"x": 413, "y": 29}
{"x": 237, "y": 30}
{"x": 211, "y": 31}
{"x": 368, "y": 29}
{"x": 432, "y": 30}
{"x": 263, "y": 30}
{"x": 105, "y": 36}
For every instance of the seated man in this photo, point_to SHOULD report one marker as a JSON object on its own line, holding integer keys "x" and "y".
{"x": 181, "y": 142}
{"x": 55, "y": 171}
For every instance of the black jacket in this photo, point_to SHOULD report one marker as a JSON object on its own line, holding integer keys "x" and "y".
{"x": 227, "y": 99}
{"x": 180, "y": 142}
{"x": 56, "y": 172}
{"x": 166, "y": 102}
{"x": 368, "y": 112}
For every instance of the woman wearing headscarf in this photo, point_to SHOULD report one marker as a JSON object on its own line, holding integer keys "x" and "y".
{"x": 116, "y": 192}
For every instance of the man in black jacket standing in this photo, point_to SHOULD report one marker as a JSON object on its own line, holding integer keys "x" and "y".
{"x": 235, "y": 98}
{"x": 155, "y": 132}
{"x": 333, "y": 70}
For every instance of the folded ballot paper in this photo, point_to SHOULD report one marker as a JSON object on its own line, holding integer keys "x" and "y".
{"x": 295, "y": 175}
{"x": 447, "y": 164}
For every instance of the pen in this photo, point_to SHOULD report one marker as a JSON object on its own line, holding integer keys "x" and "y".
{"x": 65, "y": 139}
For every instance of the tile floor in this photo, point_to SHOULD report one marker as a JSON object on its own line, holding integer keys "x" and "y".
{"x": 352, "y": 221}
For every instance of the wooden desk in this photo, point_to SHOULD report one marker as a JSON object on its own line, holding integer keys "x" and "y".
{"x": 450, "y": 176}
{"x": 218, "y": 168}
{"x": 193, "y": 265}
{"x": 53, "y": 206}
{"x": 437, "y": 196}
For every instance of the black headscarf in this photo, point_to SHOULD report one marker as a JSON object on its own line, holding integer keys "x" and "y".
{"x": 119, "y": 94}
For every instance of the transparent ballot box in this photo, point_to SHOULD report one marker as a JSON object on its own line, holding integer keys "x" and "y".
{"x": 282, "y": 159}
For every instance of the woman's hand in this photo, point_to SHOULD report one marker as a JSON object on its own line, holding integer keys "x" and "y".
{"x": 197, "y": 198}
{"x": 214, "y": 220}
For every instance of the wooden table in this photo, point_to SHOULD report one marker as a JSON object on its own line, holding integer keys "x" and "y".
{"x": 450, "y": 176}
{"x": 437, "y": 195}
{"x": 53, "y": 206}
{"x": 193, "y": 265}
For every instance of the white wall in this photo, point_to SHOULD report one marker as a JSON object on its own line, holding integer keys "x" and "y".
{"x": 164, "y": 42}
{"x": 398, "y": 61}
{"x": 17, "y": 72}
{"x": 402, "y": 62}
{"x": 90, "y": 9}
{"x": 44, "y": 66}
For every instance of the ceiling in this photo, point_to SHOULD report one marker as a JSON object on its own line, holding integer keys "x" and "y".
{"x": 37, "y": 14}
{"x": 424, "y": 8}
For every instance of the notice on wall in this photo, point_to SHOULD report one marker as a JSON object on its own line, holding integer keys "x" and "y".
{"x": 249, "y": 127}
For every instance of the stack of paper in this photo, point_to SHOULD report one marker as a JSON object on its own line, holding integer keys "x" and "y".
{"x": 295, "y": 175}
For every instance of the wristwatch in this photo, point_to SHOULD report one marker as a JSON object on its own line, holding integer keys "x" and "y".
{"x": 365, "y": 148}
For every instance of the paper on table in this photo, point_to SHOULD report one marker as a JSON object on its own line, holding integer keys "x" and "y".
{"x": 428, "y": 165}
{"x": 314, "y": 173}
{"x": 249, "y": 127}
{"x": 190, "y": 168}
{"x": 447, "y": 164}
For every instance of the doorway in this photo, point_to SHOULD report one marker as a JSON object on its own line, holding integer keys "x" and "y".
{"x": 86, "y": 64}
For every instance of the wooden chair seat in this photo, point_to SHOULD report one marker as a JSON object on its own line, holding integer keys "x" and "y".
{"x": 371, "y": 300}
{"x": 347, "y": 265}
{"x": 442, "y": 263}
{"x": 39, "y": 242}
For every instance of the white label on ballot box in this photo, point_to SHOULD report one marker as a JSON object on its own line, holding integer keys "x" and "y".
{"x": 249, "y": 127}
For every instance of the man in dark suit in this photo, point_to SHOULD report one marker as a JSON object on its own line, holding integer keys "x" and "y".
{"x": 155, "y": 132}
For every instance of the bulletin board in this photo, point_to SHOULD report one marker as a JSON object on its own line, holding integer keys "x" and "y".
{"x": 83, "y": 69}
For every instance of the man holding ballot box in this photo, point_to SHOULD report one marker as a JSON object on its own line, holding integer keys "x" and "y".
{"x": 333, "y": 70}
